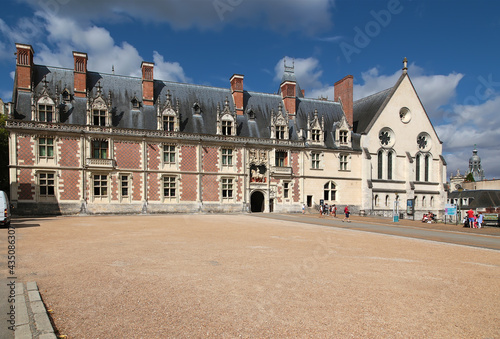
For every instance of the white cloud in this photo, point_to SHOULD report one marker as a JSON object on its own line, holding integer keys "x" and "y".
{"x": 307, "y": 71}
{"x": 64, "y": 35}
{"x": 281, "y": 15}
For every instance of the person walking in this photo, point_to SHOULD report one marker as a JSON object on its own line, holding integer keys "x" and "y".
{"x": 347, "y": 214}
{"x": 334, "y": 210}
{"x": 303, "y": 208}
{"x": 480, "y": 220}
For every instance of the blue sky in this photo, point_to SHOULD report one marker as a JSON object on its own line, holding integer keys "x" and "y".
{"x": 452, "y": 48}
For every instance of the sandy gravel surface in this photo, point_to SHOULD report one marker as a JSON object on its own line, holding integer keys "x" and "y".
{"x": 200, "y": 276}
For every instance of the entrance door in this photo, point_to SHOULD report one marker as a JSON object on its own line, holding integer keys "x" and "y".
{"x": 257, "y": 202}
{"x": 271, "y": 205}
{"x": 309, "y": 201}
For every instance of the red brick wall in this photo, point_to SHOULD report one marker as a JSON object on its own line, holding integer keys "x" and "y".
{"x": 343, "y": 89}
{"x": 128, "y": 155}
{"x": 115, "y": 186}
{"x": 210, "y": 188}
{"x": 70, "y": 150}
{"x": 80, "y": 80}
{"x": 23, "y": 77}
{"x": 136, "y": 186}
{"x": 294, "y": 162}
{"x": 153, "y": 188}
{"x": 188, "y": 187}
{"x": 296, "y": 190}
{"x": 187, "y": 158}
{"x": 153, "y": 156}
{"x": 26, "y": 185}
{"x": 25, "y": 151}
{"x": 210, "y": 159}
{"x": 69, "y": 185}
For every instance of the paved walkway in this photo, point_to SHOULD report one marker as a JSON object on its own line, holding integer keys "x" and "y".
{"x": 485, "y": 237}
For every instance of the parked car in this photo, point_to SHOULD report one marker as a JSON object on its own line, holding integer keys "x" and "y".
{"x": 5, "y": 209}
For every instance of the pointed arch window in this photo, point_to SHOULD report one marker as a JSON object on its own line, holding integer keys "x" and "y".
{"x": 426, "y": 167}
{"x": 417, "y": 167}
{"x": 389, "y": 166}
{"x": 380, "y": 161}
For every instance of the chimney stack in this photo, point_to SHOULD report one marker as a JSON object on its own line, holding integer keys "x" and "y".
{"x": 237, "y": 92}
{"x": 80, "y": 74}
{"x": 147, "y": 83}
{"x": 343, "y": 92}
{"x": 288, "y": 89}
{"x": 24, "y": 67}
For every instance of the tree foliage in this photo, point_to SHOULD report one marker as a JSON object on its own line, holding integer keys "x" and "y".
{"x": 469, "y": 177}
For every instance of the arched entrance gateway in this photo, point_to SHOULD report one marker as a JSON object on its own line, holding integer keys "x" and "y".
{"x": 257, "y": 202}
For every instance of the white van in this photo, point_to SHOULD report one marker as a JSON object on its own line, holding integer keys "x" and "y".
{"x": 4, "y": 209}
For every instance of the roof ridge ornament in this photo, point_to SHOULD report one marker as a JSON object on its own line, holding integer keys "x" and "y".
{"x": 289, "y": 69}
{"x": 405, "y": 65}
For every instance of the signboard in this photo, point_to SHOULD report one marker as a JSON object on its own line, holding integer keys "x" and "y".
{"x": 490, "y": 219}
{"x": 450, "y": 209}
{"x": 410, "y": 206}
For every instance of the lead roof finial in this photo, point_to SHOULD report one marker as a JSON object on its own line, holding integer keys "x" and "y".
{"x": 405, "y": 65}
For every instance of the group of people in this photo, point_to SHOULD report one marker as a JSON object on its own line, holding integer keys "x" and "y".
{"x": 328, "y": 210}
{"x": 429, "y": 217}
{"x": 473, "y": 220}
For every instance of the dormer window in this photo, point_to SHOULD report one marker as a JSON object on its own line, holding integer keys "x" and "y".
{"x": 99, "y": 117}
{"x": 196, "y": 109}
{"x": 315, "y": 134}
{"x": 227, "y": 127}
{"x": 66, "y": 96}
{"x": 280, "y": 132}
{"x": 135, "y": 103}
{"x": 343, "y": 137}
{"x": 46, "y": 113}
{"x": 168, "y": 115}
{"x": 226, "y": 120}
{"x": 316, "y": 128}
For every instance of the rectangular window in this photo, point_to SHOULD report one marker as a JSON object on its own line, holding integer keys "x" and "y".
{"x": 343, "y": 162}
{"x": 168, "y": 123}
{"x": 315, "y": 160}
{"x": 280, "y": 132}
{"x": 100, "y": 185}
{"x": 315, "y": 135}
{"x": 47, "y": 184}
{"x": 124, "y": 181}
{"x": 343, "y": 137}
{"x": 99, "y": 149}
{"x": 281, "y": 159}
{"x": 99, "y": 117}
{"x": 46, "y": 147}
{"x": 169, "y": 187}
{"x": 227, "y": 157}
{"x": 227, "y": 127}
{"x": 45, "y": 113}
{"x": 286, "y": 189}
{"x": 227, "y": 188}
{"x": 169, "y": 152}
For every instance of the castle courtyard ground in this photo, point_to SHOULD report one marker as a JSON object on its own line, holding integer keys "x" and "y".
{"x": 250, "y": 276}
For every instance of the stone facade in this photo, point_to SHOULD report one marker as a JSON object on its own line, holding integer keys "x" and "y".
{"x": 86, "y": 142}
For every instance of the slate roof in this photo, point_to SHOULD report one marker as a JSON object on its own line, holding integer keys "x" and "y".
{"x": 255, "y": 122}
{"x": 365, "y": 109}
{"x": 478, "y": 198}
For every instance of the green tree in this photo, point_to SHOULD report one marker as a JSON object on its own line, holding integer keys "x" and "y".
{"x": 4, "y": 155}
{"x": 469, "y": 178}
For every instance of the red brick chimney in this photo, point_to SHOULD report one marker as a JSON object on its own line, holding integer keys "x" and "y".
{"x": 237, "y": 92}
{"x": 147, "y": 83}
{"x": 343, "y": 92}
{"x": 80, "y": 74}
{"x": 288, "y": 95}
{"x": 24, "y": 67}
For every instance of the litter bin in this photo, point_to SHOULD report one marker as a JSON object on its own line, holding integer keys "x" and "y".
{"x": 401, "y": 215}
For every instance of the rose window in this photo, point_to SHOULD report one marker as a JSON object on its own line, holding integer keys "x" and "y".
{"x": 385, "y": 138}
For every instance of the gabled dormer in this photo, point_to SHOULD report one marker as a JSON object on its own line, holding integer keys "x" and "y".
{"x": 316, "y": 129}
{"x": 226, "y": 120}
{"x": 279, "y": 124}
{"x": 342, "y": 133}
{"x": 44, "y": 106}
{"x": 99, "y": 108}
{"x": 168, "y": 116}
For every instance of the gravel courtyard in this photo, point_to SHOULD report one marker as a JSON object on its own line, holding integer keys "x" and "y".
{"x": 200, "y": 276}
